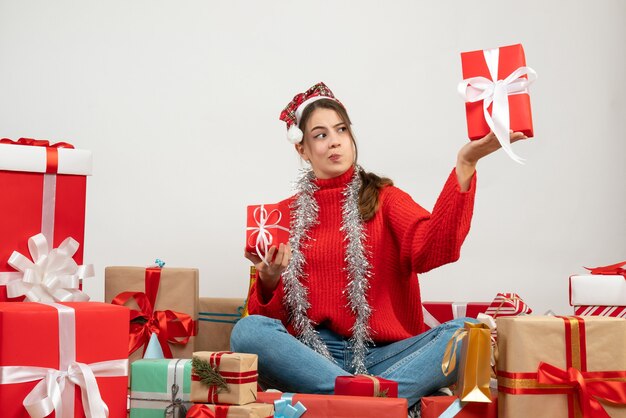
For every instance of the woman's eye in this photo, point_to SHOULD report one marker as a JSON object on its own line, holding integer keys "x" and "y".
{"x": 320, "y": 136}
{"x": 343, "y": 129}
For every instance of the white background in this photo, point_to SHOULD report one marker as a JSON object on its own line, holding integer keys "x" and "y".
{"x": 179, "y": 102}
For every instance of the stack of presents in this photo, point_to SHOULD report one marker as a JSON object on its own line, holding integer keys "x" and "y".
{"x": 156, "y": 349}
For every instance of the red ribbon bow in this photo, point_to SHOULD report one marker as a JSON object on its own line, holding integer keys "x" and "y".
{"x": 612, "y": 269}
{"x": 36, "y": 143}
{"x": 203, "y": 411}
{"x": 171, "y": 327}
{"x": 587, "y": 390}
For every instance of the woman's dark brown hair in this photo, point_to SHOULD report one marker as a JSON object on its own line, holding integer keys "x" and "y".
{"x": 371, "y": 183}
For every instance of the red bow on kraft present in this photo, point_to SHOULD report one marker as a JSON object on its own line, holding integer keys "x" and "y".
{"x": 203, "y": 411}
{"x": 171, "y": 327}
{"x": 576, "y": 381}
{"x": 613, "y": 269}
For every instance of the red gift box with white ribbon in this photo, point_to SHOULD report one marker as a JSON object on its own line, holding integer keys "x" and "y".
{"x": 42, "y": 190}
{"x": 495, "y": 89}
{"x": 64, "y": 360}
{"x": 267, "y": 226}
{"x": 436, "y": 313}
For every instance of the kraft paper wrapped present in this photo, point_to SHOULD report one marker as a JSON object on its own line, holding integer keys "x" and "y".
{"x": 160, "y": 387}
{"x": 604, "y": 286}
{"x": 613, "y": 311}
{"x": 555, "y": 367}
{"x": 42, "y": 190}
{"x": 365, "y": 385}
{"x": 54, "y": 351}
{"x": 451, "y": 406}
{"x": 224, "y": 377}
{"x": 495, "y": 89}
{"x": 162, "y": 300}
{"x": 267, "y": 226}
{"x": 436, "y": 313}
{"x": 339, "y": 406}
{"x": 216, "y": 320}
{"x": 251, "y": 410}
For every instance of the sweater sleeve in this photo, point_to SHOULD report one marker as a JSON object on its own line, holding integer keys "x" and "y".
{"x": 271, "y": 305}
{"x": 429, "y": 240}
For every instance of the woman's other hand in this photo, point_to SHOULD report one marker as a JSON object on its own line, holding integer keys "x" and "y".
{"x": 473, "y": 151}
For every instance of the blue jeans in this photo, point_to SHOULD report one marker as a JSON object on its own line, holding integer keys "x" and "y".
{"x": 290, "y": 366}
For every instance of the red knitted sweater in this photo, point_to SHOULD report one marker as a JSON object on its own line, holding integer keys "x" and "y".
{"x": 402, "y": 239}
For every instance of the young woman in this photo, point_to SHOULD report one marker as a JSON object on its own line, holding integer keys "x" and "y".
{"x": 343, "y": 296}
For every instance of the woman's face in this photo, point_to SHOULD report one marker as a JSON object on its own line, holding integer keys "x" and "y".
{"x": 327, "y": 144}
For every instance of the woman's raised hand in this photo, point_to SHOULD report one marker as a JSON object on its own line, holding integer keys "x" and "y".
{"x": 473, "y": 151}
{"x": 278, "y": 260}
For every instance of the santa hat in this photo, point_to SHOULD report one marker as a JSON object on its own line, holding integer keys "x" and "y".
{"x": 292, "y": 113}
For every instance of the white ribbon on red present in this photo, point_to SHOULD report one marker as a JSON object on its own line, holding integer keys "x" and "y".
{"x": 51, "y": 276}
{"x": 55, "y": 390}
{"x": 475, "y": 89}
{"x": 263, "y": 235}
{"x": 459, "y": 310}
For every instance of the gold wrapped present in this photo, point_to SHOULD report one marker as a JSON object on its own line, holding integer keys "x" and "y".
{"x": 224, "y": 377}
{"x": 553, "y": 366}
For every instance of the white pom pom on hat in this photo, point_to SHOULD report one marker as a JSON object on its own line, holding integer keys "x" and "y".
{"x": 292, "y": 113}
{"x": 294, "y": 134}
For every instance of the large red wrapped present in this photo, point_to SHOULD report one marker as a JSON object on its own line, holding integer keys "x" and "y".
{"x": 613, "y": 311}
{"x": 451, "y": 406}
{"x": 64, "y": 360}
{"x": 267, "y": 226}
{"x": 365, "y": 385}
{"x": 43, "y": 189}
{"x": 436, "y": 313}
{"x": 339, "y": 406}
{"x": 495, "y": 88}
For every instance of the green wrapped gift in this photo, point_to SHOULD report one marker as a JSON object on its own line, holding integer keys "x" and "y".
{"x": 160, "y": 387}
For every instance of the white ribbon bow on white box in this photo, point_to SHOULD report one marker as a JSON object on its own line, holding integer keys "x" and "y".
{"x": 51, "y": 276}
{"x": 475, "y": 89}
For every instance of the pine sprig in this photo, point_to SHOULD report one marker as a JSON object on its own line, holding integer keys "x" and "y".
{"x": 382, "y": 394}
{"x": 208, "y": 375}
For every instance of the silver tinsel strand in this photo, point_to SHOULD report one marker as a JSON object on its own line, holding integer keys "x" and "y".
{"x": 358, "y": 269}
{"x": 304, "y": 216}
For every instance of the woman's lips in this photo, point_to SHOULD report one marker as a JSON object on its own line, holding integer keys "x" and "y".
{"x": 334, "y": 157}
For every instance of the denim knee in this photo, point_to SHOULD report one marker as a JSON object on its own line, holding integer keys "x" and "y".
{"x": 245, "y": 334}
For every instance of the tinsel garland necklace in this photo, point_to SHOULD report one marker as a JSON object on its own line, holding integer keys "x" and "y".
{"x": 303, "y": 218}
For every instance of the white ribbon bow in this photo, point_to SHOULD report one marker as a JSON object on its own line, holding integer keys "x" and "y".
{"x": 46, "y": 396}
{"x": 264, "y": 236}
{"x": 51, "y": 276}
{"x": 475, "y": 89}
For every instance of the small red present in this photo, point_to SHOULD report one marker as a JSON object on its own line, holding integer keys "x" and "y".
{"x": 495, "y": 88}
{"x": 267, "y": 226}
{"x": 435, "y": 406}
{"x": 54, "y": 357}
{"x": 436, "y": 313}
{"x": 613, "y": 311}
{"x": 324, "y": 406}
{"x": 365, "y": 385}
{"x": 42, "y": 190}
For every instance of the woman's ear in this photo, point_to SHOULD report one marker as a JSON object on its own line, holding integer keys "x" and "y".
{"x": 300, "y": 150}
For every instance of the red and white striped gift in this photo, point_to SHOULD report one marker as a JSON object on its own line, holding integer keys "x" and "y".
{"x": 613, "y": 311}
{"x": 507, "y": 304}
